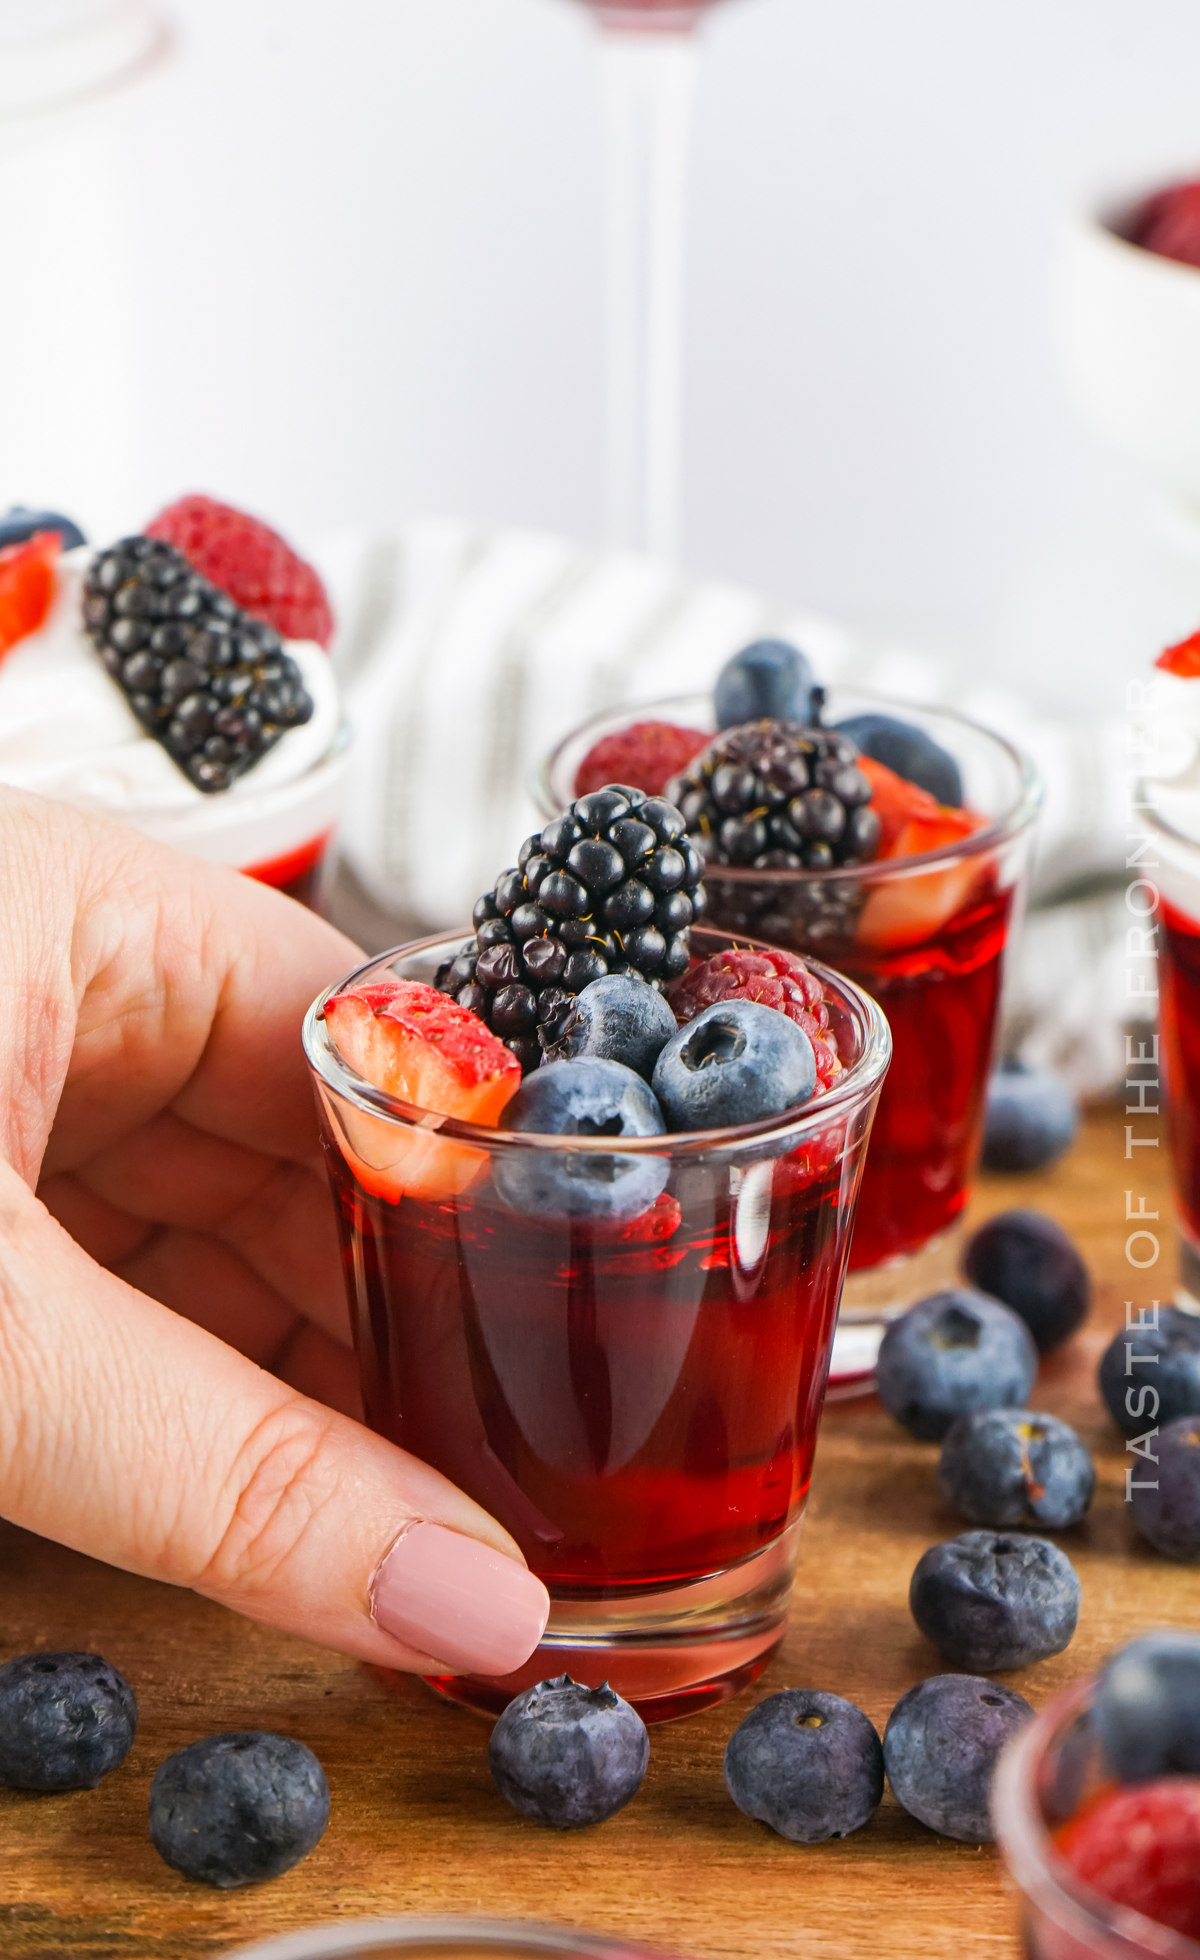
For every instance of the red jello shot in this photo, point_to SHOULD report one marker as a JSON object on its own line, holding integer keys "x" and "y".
{"x": 1095, "y": 1863}
{"x": 635, "y": 1401}
{"x": 926, "y": 935}
{"x": 1163, "y": 899}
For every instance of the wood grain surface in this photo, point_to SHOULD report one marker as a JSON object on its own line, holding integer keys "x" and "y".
{"x": 416, "y": 1823}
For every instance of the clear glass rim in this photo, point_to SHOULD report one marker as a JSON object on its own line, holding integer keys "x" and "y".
{"x": 502, "y": 1935}
{"x": 851, "y": 1089}
{"x": 999, "y": 830}
{"x": 1029, "y": 1852}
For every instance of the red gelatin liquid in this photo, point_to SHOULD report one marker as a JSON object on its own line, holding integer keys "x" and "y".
{"x": 637, "y": 1410}
{"x": 297, "y": 874}
{"x": 1179, "y": 1029}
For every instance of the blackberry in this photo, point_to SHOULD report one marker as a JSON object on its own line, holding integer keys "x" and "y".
{"x": 210, "y": 683}
{"x": 779, "y": 795}
{"x": 612, "y": 886}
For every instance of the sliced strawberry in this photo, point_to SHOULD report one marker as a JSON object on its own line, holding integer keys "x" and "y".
{"x": 28, "y": 580}
{"x": 425, "y": 1049}
{"x": 1182, "y": 659}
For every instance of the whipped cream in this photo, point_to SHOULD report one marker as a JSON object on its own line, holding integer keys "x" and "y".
{"x": 67, "y": 731}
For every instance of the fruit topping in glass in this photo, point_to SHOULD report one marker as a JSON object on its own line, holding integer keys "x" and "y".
{"x": 774, "y": 979}
{"x": 646, "y": 754}
{"x": 247, "y": 559}
{"x": 212, "y": 685}
{"x": 28, "y": 582}
{"x": 1168, "y": 223}
{"x": 1140, "y": 1847}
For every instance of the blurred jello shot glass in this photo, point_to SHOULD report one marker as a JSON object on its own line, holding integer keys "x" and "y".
{"x": 147, "y": 694}
{"x": 618, "y": 1348}
{"x": 911, "y": 892}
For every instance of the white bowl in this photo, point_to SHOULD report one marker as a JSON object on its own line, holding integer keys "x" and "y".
{"x": 1128, "y": 327}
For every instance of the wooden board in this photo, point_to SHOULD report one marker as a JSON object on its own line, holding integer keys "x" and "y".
{"x": 417, "y": 1825}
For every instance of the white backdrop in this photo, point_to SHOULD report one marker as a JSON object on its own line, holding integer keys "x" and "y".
{"x": 363, "y": 282}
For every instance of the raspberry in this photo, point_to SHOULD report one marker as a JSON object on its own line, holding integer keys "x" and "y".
{"x": 775, "y": 979}
{"x": 646, "y": 755}
{"x": 27, "y": 583}
{"x": 250, "y": 562}
{"x": 1140, "y": 1847}
{"x": 1169, "y": 224}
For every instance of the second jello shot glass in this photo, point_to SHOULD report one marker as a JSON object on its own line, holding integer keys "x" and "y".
{"x": 633, "y": 1391}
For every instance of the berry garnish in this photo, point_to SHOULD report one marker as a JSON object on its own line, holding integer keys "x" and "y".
{"x": 1164, "y": 1383}
{"x": 989, "y": 1600}
{"x": 214, "y": 686}
{"x": 20, "y": 524}
{"x": 1026, "y": 1259}
{"x": 568, "y": 1754}
{"x": 413, "y": 1043}
{"x": 646, "y": 755}
{"x": 909, "y": 752}
{"x": 774, "y": 979}
{"x": 1169, "y": 224}
{"x": 1005, "y": 1467}
{"x": 1140, "y": 1848}
{"x": 27, "y": 586}
{"x": 1147, "y": 1707}
{"x": 239, "y": 1807}
{"x": 779, "y": 795}
{"x": 589, "y": 1097}
{"x": 612, "y": 886}
{"x": 1032, "y": 1118}
{"x": 253, "y": 564}
{"x": 768, "y": 680}
{"x": 66, "y": 1720}
{"x": 950, "y": 1354}
{"x": 910, "y": 819}
{"x": 809, "y": 1765}
{"x": 618, "y": 1018}
{"x": 1166, "y": 1500}
{"x": 735, "y": 1062}
{"x": 940, "y": 1748}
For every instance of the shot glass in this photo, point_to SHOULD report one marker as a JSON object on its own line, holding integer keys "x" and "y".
{"x": 438, "y": 1937}
{"x": 1043, "y": 1778}
{"x": 1167, "y": 885}
{"x": 636, "y": 1401}
{"x": 926, "y": 936}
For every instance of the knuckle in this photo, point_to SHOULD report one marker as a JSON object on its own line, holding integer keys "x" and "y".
{"x": 280, "y": 1483}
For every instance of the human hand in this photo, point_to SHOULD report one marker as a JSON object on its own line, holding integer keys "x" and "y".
{"x": 180, "y": 1244}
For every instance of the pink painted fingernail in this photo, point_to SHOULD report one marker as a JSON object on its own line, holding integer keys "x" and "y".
{"x": 460, "y": 1601}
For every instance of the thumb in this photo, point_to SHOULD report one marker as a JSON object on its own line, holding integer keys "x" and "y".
{"x": 133, "y": 1435}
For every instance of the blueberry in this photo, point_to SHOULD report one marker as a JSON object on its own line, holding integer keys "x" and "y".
{"x": 940, "y": 1748}
{"x": 1166, "y": 1507}
{"x": 1151, "y": 1375}
{"x": 65, "y": 1721}
{"x": 568, "y": 1754}
{"x": 1031, "y": 1119}
{"x": 238, "y": 1807}
{"x": 18, "y": 524}
{"x": 810, "y": 1765}
{"x": 1009, "y": 1466}
{"x": 909, "y": 751}
{"x": 987, "y": 1600}
{"x": 736, "y": 1062}
{"x": 949, "y": 1355}
{"x": 770, "y": 680}
{"x": 619, "y": 1018}
{"x": 1026, "y": 1260}
{"x": 588, "y": 1097}
{"x": 1147, "y": 1707}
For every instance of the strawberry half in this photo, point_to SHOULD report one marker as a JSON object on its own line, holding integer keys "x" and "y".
{"x": 423, "y": 1048}
{"x": 28, "y": 580}
{"x": 1182, "y": 659}
{"x": 903, "y": 911}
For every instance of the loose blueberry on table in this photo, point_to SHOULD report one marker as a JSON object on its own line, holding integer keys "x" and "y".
{"x": 989, "y": 1601}
{"x": 1166, "y": 1498}
{"x": 810, "y": 1765}
{"x": 1011, "y": 1467}
{"x": 568, "y": 1755}
{"x": 1031, "y": 1119}
{"x": 1025, "y": 1259}
{"x": 237, "y": 1808}
{"x": 951, "y": 1354}
{"x": 1150, "y": 1375}
{"x": 940, "y": 1748}
{"x": 66, "y": 1720}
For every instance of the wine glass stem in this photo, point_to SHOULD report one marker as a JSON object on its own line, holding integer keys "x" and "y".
{"x": 647, "y": 91}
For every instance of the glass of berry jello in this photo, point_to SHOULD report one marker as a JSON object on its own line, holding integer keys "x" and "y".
{"x": 620, "y": 1353}
{"x": 914, "y": 896}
